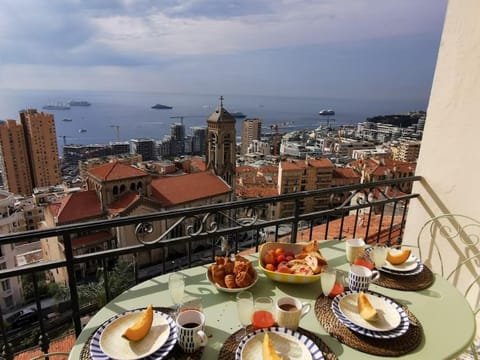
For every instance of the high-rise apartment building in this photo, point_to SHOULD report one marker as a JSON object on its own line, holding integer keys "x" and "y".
{"x": 14, "y": 161}
{"x": 42, "y": 149}
{"x": 144, "y": 147}
{"x": 251, "y": 130}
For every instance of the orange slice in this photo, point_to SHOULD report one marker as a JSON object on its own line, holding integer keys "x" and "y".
{"x": 365, "y": 308}
{"x": 268, "y": 351}
{"x": 141, "y": 327}
{"x": 398, "y": 257}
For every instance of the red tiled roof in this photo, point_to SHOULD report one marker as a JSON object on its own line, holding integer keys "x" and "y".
{"x": 123, "y": 202}
{"x": 198, "y": 163}
{"x": 245, "y": 169}
{"x": 360, "y": 230}
{"x": 255, "y": 192}
{"x": 345, "y": 173}
{"x": 63, "y": 344}
{"x": 383, "y": 166}
{"x": 77, "y": 206}
{"x": 301, "y": 164}
{"x": 93, "y": 238}
{"x": 182, "y": 189}
{"x": 115, "y": 171}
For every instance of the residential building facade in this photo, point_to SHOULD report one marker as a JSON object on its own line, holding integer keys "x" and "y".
{"x": 41, "y": 143}
{"x": 14, "y": 160}
{"x": 251, "y": 130}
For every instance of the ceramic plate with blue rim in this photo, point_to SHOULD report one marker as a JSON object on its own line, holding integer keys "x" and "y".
{"x": 415, "y": 267}
{"x": 288, "y": 344}
{"x": 383, "y": 331}
{"x": 96, "y": 350}
{"x": 412, "y": 266}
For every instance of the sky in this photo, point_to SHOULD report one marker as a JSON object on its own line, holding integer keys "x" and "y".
{"x": 365, "y": 49}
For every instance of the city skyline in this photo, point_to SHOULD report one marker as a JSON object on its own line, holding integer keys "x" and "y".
{"x": 363, "y": 49}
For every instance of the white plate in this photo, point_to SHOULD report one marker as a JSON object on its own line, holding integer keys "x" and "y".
{"x": 398, "y": 331}
{"x": 409, "y": 265}
{"x": 155, "y": 346}
{"x": 231, "y": 290}
{"x": 288, "y": 344}
{"x": 388, "y": 318}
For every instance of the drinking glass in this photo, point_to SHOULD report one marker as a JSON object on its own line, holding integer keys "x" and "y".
{"x": 263, "y": 313}
{"x": 379, "y": 255}
{"x": 245, "y": 309}
{"x": 327, "y": 278}
{"x": 176, "y": 287}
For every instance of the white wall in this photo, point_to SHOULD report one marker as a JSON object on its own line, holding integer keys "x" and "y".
{"x": 449, "y": 157}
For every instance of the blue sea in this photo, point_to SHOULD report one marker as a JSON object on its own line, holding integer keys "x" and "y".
{"x": 132, "y": 112}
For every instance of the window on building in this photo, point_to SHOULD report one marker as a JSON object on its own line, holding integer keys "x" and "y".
{"x": 8, "y": 301}
{"x": 6, "y": 284}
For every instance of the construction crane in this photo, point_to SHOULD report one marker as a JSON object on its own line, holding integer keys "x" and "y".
{"x": 275, "y": 128}
{"x": 64, "y": 137}
{"x": 326, "y": 117}
{"x": 117, "y": 131}
{"x": 178, "y": 117}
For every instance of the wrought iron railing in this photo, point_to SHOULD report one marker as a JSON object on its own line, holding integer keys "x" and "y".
{"x": 204, "y": 232}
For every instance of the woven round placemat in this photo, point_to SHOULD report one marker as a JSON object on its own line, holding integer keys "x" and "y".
{"x": 176, "y": 353}
{"x": 227, "y": 352}
{"x": 406, "y": 282}
{"x": 382, "y": 347}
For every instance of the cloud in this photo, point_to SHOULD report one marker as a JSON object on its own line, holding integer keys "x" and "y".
{"x": 135, "y": 32}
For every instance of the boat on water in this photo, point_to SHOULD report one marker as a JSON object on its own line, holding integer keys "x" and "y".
{"x": 326, "y": 112}
{"x": 58, "y": 106}
{"x": 67, "y": 120}
{"x": 238, "y": 115}
{"x": 160, "y": 106}
{"x": 82, "y": 130}
{"x": 79, "y": 103}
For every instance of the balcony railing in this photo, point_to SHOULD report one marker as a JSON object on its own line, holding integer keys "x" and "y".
{"x": 206, "y": 231}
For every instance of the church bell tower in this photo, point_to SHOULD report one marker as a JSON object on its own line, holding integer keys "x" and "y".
{"x": 221, "y": 144}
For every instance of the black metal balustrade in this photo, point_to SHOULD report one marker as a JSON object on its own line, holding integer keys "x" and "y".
{"x": 221, "y": 226}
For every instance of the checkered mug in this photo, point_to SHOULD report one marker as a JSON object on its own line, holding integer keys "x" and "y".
{"x": 360, "y": 277}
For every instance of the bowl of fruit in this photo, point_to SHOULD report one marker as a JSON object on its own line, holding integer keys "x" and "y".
{"x": 292, "y": 263}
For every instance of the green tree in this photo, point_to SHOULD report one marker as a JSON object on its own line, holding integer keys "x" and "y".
{"x": 120, "y": 278}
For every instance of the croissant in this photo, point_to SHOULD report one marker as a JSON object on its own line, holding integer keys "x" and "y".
{"x": 230, "y": 281}
{"x": 240, "y": 266}
{"x": 219, "y": 260}
{"x": 229, "y": 268}
{"x": 243, "y": 279}
{"x": 218, "y": 274}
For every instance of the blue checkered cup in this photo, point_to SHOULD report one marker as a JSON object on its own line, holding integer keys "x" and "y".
{"x": 360, "y": 277}
{"x": 191, "y": 330}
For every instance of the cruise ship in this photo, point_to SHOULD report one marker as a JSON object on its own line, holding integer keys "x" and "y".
{"x": 56, "y": 107}
{"x": 79, "y": 103}
{"x": 326, "y": 112}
